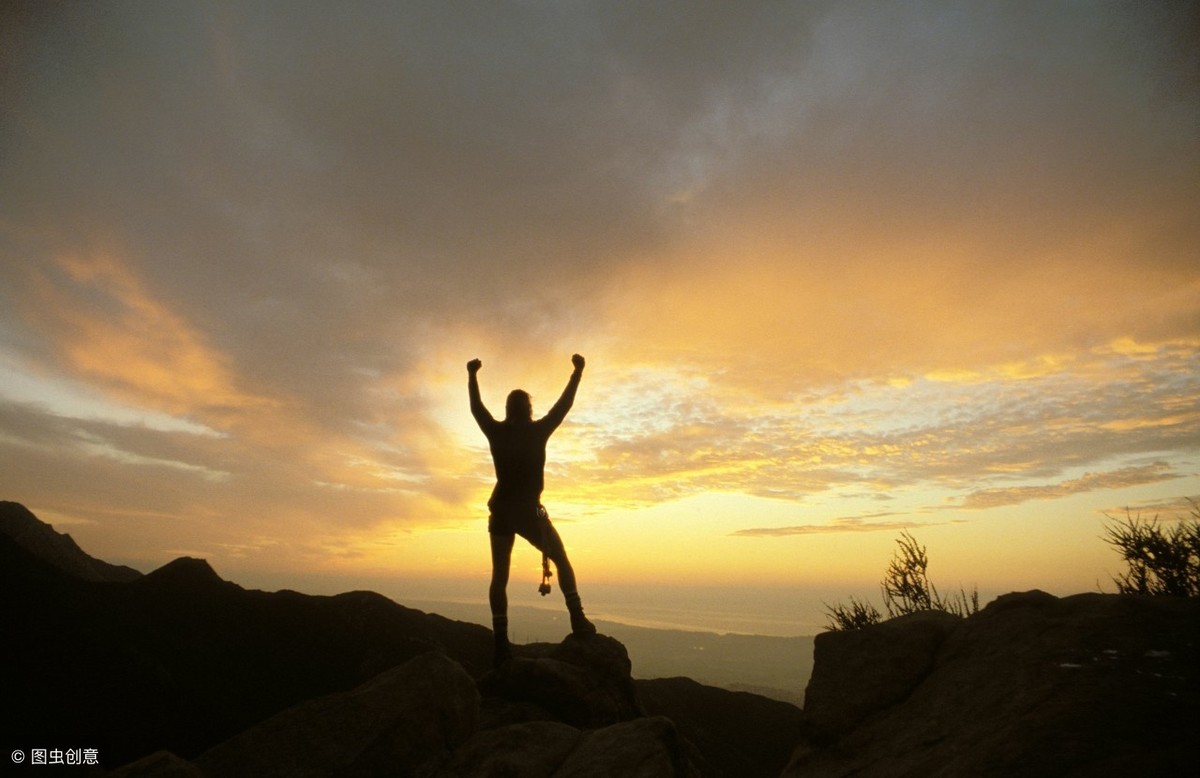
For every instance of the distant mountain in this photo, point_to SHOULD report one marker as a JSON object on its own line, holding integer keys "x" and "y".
{"x": 181, "y": 661}
{"x": 59, "y": 550}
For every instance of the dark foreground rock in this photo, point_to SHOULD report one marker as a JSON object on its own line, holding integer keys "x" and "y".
{"x": 1033, "y": 685}
{"x": 424, "y": 719}
{"x": 555, "y": 711}
{"x": 390, "y": 725}
{"x": 646, "y": 747}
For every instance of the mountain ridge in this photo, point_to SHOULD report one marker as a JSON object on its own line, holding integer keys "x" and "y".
{"x": 59, "y": 549}
{"x": 180, "y": 660}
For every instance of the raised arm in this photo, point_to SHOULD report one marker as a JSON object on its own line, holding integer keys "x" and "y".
{"x": 559, "y": 411}
{"x": 482, "y": 417}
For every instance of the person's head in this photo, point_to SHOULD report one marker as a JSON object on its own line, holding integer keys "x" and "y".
{"x": 519, "y": 407}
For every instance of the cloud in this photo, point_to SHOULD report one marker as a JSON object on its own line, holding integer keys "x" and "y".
{"x": 989, "y": 436}
{"x": 106, "y": 327}
{"x": 1114, "y": 479}
{"x": 1174, "y": 509}
{"x": 839, "y": 525}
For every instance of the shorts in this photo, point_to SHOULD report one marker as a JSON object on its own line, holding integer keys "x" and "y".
{"x": 528, "y": 522}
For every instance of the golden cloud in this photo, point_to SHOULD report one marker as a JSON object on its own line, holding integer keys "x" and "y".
{"x": 110, "y": 329}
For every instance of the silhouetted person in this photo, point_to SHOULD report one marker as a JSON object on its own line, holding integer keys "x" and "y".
{"x": 518, "y": 447}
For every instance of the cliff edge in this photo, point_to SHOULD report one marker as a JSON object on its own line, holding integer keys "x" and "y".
{"x": 1032, "y": 685}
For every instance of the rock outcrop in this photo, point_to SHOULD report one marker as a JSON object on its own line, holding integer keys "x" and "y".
{"x": 1033, "y": 685}
{"x": 865, "y": 671}
{"x": 584, "y": 682}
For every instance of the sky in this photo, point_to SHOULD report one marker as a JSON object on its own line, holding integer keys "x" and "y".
{"x": 839, "y": 270}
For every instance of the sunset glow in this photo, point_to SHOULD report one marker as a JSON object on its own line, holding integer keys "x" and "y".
{"x": 838, "y": 271}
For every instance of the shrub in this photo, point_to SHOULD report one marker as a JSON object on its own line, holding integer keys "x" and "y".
{"x": 906, "y": 589}
{"x": 1161, "y": 560}
{"x": 856, "y": 615}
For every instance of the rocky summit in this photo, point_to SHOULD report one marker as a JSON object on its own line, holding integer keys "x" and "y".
{"x": 179, "y": 673}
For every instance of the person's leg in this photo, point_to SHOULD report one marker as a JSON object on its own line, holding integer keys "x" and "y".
{"x": 550, "y": 544}
{"x": 502, "y": 546}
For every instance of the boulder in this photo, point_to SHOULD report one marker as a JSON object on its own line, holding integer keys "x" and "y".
{"x": 643, "y": 748}
{"x": 864, "y": 671}
{"x": 649, "y": 747}
{"x": 583, "y": 681}
{"x": 534, "y": 749}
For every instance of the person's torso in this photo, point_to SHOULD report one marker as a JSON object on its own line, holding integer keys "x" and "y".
{"x": 519, "y": 456}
